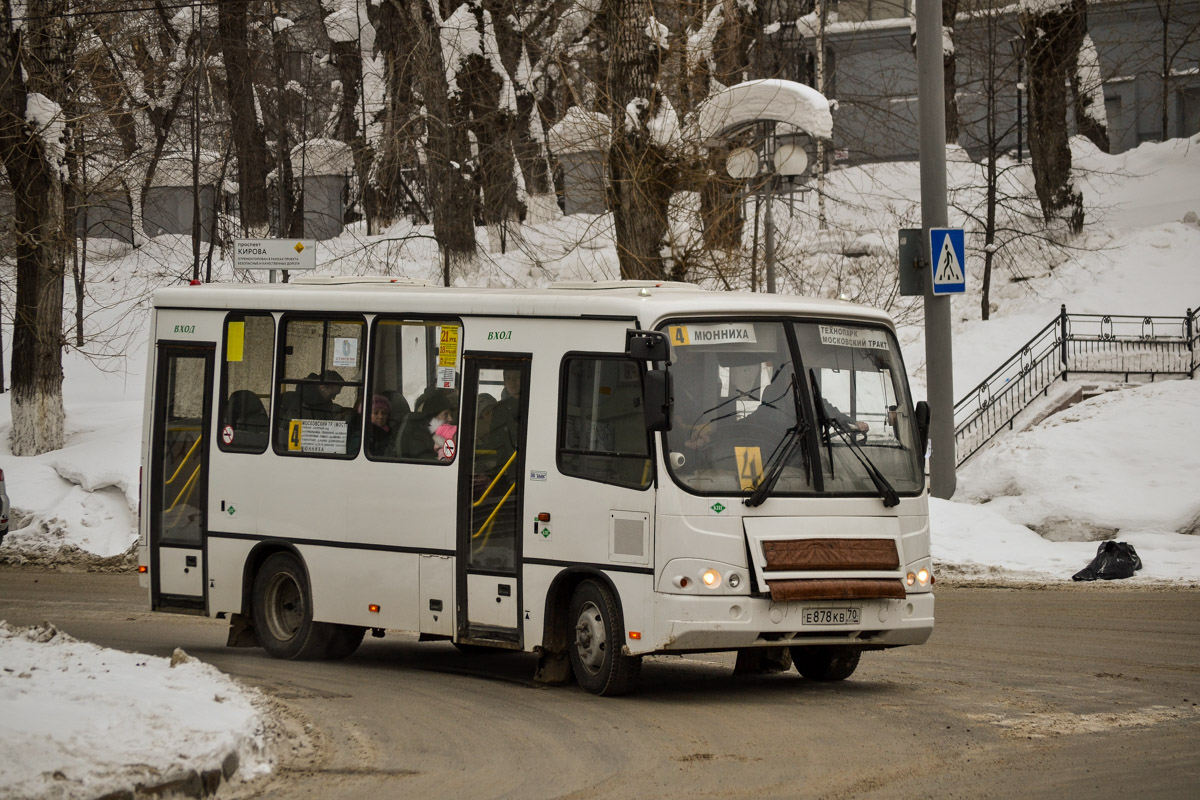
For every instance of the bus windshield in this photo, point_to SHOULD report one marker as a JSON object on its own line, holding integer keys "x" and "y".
{"x": 821, "y": 407}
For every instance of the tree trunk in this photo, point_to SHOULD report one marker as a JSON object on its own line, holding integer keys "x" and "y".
{"x": 642, "y": 177}
{"x": 1052, "y": 41}
{"x": 33, "y": 68}
{"x": 491, "y": 100}
{"x": 450, "y": 191}
{"x": 249, "y": 141}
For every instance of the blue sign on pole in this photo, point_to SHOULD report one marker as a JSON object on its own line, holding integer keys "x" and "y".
{"x": 947, "y": 248}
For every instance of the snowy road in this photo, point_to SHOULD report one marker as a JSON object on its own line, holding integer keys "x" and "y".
{"x": 1047, "y": 692}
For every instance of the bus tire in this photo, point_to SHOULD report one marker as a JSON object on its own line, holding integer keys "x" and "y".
{"x": 826, "y": 663}
{"x": 283, "y": 611}
{"x": 344, "y": 640}
{"x": 596, "y": 637}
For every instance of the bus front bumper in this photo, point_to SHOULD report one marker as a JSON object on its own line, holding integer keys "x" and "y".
{"x": 730, "y": 622}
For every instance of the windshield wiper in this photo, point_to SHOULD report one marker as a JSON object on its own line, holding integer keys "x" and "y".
{"x": 782, "y": 454}
{"x": 886, "y": 492}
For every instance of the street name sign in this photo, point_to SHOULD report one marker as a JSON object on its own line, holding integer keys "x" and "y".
{"x": 289, "y": 254}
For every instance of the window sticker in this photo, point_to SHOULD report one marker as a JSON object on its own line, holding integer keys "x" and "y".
{"x": 235, "y": 340}
{"x": 448, "y": 346}
{"x": 713, "y": 333}
{"x": 317, "y": 436}
{"x": 345, "y": 352}
{"x": 750, "y": 466}
{"x": 840, "y": 336}
{"x": 446, "y": 377}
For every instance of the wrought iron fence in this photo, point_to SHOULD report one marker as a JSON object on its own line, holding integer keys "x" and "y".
{"x": 1091, "y": 344}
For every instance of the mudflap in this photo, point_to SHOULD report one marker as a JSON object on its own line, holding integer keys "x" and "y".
{"x": 762, "y": 660}
{"x": 241, "y": 632}
{"x": 553, "y": 668}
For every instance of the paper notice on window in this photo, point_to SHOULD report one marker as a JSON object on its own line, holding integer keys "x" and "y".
{"x": 323, "y": 435}
{"x": 446, "y": 377}
{"x": 448, "y": 346}
{"x": 345, "y": 352}
{"x": 712, "y": 333}
{"x": 840, "y": 336}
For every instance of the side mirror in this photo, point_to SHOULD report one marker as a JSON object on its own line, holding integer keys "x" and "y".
{"x": 922, "y": 413}
{"x": 647, "y": 345}
{"x": 658, "y": 393}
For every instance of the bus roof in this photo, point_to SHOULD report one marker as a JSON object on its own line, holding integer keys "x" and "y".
{"x": 647, "y": 301}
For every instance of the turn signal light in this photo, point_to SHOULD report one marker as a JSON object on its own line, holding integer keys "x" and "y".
{"x": 374, "y": 609}
{"x": 635, "y": 634}
{"x": 143, "y": 569}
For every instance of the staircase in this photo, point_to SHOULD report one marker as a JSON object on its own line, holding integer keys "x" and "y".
{"x": 1035, "y": 382}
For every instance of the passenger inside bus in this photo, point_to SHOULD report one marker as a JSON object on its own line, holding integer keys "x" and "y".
{"x": 415, "y": 438}
{"x": 380, "y": 434}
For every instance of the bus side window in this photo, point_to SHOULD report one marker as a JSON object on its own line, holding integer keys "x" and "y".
{"x": 413, "y": 400}
{"x": 246, "y": 383}
{"x": 319, "y": 403}
{"x": 602, "y": 434}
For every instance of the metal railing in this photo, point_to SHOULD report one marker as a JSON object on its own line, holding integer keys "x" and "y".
{"x": 1091, "y": 344}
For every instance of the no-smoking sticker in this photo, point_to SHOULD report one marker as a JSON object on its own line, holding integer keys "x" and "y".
{"x": 227, "y": 434}
{"x": 448, "y": 450}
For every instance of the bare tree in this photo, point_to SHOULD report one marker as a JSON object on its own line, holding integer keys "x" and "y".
{"x": 249, "y": 140}
{"x": 641, "y": 169}
{"x": 34, "y": 62}
{"x": 1053, "y": 35}
{"x": 1169, "y": 13}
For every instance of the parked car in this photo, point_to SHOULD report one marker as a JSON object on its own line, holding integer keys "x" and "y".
{"x": 3, "y": 508}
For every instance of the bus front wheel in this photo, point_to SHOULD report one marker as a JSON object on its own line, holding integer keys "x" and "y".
{"x": 596, "y": 638}
{"x": 826, "y": 663}
{"x": 283, "y": 611}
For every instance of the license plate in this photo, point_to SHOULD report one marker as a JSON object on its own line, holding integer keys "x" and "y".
{"x": 831, "y": 616}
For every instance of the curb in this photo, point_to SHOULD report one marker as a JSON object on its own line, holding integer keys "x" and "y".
{"x": 192, "y": 783}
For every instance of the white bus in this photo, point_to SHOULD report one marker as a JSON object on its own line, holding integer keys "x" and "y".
{"x": 594, "y": 472}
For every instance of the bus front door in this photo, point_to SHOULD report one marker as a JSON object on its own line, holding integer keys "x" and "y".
{"x": 179, "y": 477}
{"x": 492, "y": 438}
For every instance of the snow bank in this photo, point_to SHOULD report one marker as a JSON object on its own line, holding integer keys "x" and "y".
{"x": 80, "y": 720}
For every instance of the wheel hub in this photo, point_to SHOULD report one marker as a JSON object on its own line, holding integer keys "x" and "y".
{"x": 590, "y": 639}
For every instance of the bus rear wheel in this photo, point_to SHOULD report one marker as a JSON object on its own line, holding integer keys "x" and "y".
{"x": 826, "y": 663}
{"x": 597, "y": 637}
{"x": 283, "y": 611}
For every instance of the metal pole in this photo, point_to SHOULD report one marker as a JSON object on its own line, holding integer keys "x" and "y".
{"x": 1020, "y": 64}
{"x": 769, "y": 235}
{"x": 939, "y": 360}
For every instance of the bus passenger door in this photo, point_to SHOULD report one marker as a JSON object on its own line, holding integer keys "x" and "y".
{"x": 491, "y": 487}
{"x": 179, "y": 477}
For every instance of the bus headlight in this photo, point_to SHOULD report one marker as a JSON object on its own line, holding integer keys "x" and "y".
{"x": 735, "y": 580}
{"x": 711, "y": 578}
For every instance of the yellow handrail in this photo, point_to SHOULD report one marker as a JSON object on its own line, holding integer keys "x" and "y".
{"x": 186, "y": 487}
{"x": 179, "y": 469}
{"x": 495, "y": 480}
{"x": 487, "y": 523}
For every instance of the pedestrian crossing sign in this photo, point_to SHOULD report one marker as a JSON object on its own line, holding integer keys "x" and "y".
{"x": 947, "y": 247}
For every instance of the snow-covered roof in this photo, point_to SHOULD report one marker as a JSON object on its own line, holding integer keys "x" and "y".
{"x": 322, "y": 157}
{"x": 580, "y": 131}
{"x": 175, "y": 169}
{"x": 787, "y": 102}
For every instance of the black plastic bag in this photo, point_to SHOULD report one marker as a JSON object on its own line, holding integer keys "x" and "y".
{"x": 1113, "y": 560}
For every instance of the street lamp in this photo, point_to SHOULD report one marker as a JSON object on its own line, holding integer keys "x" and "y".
{"x": 775, "y": 156}
{"x": 1017, "y": 45}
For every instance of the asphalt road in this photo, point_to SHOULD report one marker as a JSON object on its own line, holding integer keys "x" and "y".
{"x": 1022, "y": 692}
